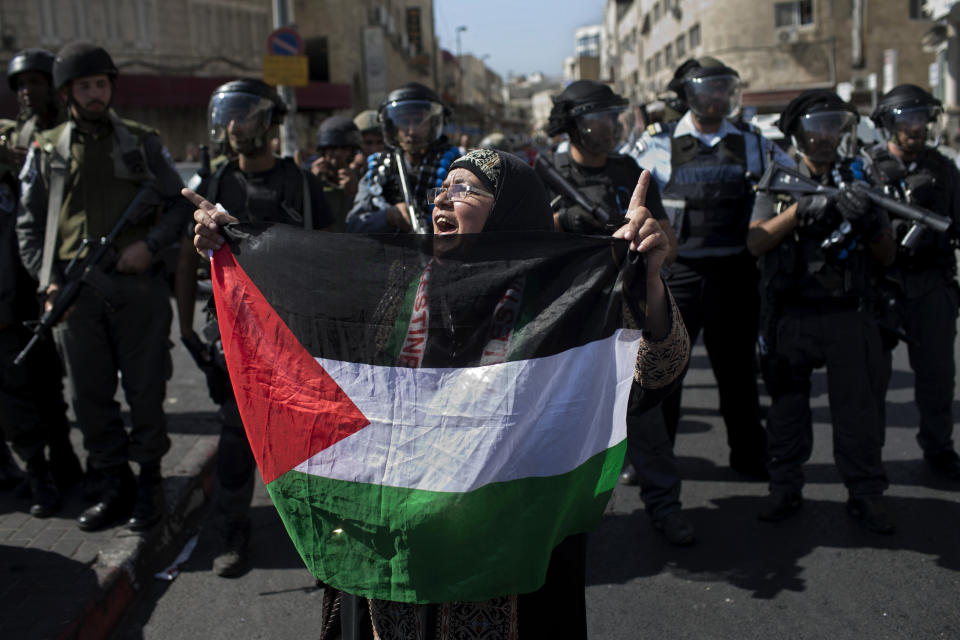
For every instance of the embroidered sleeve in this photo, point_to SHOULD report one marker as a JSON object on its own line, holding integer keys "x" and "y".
{"x": 660, "y": 362}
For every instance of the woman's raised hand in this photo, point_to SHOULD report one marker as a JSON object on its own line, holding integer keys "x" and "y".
{"x": 643, "y": 232}
{"x": 209, "y": 219}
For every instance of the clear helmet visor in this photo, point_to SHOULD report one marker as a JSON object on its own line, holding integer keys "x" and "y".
{"x": 824, "y": 136}
{"x": 915, "y": 126}
{"x": 242, "y": 116}
{"x": 411, "y": 124}
{"x": 601, "y": 131}
{"x": 713, "y": 97}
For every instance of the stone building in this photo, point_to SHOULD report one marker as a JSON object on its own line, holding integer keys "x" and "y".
{"x": 173, "y": 53}
{"x": 780, "y": 48}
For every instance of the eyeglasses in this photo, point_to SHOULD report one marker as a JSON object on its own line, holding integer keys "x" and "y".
{"x": 456, "y": 192}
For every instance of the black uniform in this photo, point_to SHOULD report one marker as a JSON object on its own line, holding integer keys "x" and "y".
{"x": 287, "y": 194}
{"x": 815, "y": 314}
{"x": 923, "y": 282}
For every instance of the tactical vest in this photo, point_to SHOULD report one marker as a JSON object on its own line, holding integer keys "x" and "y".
{"x": 799, "y": 269}
{"x": 60, "y": 168}
{"x": 295, "y": 202}
{"x": 928, "y": 186}
{"x": 708, "y": 193}
{"x": 385, "y": 189}
{"x": 601, "y": 187}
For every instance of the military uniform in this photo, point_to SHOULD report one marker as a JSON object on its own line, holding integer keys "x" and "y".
{"x": 706, "y": 183}
{"x": 816, "y": 314}
{"x": 923, "y": 283}
{"x": 125, "y": 328}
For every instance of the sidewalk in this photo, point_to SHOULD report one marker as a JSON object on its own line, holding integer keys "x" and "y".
{"x": 57, "y": 581}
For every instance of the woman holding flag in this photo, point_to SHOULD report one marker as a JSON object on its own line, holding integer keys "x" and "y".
{"x": 471, "y": 589}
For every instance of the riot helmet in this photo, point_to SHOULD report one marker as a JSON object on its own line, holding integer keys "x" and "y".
{"x": 367, "y": 121}
{"x": 79, "y": 60}
{"x": 590, "y": 112}
{"x": 338, "y": 131}
{"x": 412, "y": 118}
{"x": 911, "y": 118}
{"x": 39, "y": 60}
{"x": 710, "y": 89}
{"x": 242, "y": 112}
{"x": 821, "y": 125}
{"x": 495, "y": 140}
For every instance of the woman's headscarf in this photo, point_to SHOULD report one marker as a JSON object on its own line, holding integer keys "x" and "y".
{"x": 520, "y": 201}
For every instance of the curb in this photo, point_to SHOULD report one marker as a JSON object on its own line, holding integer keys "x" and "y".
{"x": 122, "y": 567}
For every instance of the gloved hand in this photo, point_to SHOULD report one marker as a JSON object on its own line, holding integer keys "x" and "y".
{"x": 576, "y": 219}
{"x": 811, "y": 208}
{"x": 854, "y": 204}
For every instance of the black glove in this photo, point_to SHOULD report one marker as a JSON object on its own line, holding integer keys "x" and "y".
{"x": 811, "y": 208}
{"x": 576, "y": 219}
{"x": 218, "y": 381}
{"x": 853, "y": 204}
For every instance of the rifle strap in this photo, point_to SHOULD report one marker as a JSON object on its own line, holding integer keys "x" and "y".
{"x": 25, "y": 134}
{"x": 307, "y": 204}
{"x": 59, "y": 172}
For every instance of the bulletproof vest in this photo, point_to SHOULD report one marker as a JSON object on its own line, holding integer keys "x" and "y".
{"x": 799, "y": 268}
{"x": 612, "y": 187}
{"x": 926, "y": 184}
{"x": 279, "y": 195}
{"x": 707, "y": 195}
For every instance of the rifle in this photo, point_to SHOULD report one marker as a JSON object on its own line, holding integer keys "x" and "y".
{"x": 415, "y": 223}
{"x": 87, "y": 271}
{"x": 780, "y": 179}
{"x": 556, "y": 182}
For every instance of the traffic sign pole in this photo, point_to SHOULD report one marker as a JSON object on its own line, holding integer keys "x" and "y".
{"x": 283, "y": 17}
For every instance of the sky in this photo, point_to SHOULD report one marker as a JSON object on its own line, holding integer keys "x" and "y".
{"x": 520, "y": 36}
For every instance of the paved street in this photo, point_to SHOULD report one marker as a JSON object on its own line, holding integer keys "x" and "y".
{"x": 817, "y": 575}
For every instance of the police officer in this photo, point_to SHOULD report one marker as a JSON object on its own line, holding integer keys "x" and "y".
{"x": 706, "y": 168}
{"x": 818, "y": 257}
{"x": 254, "y": 186}
{"x": 79, "y": 179}
{"x": 368, "y": 123}
{"x": 32, "y": 409}
{"x": 338, "y": 143}
{"x": 412, "y": 120}
{"x": 908, "y": 166}
{"x": 589, "y": 113}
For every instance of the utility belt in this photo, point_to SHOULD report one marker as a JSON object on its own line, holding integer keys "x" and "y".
{"x": 801, "y": 306}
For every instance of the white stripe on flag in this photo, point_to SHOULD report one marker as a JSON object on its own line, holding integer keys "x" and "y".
{"x": 459, "y": 429}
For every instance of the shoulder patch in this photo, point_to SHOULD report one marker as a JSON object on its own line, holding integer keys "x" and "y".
{"x": 655, "y": 129}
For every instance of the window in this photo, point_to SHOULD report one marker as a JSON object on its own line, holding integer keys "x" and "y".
{"x": 318, "y": 59}
{"x": 649, "y": 66}
{"x": 657, "y": 62}
{"x": 656, "y": 11}
{"x": 917, "y": 10}
{"x": 681, "y": 46}
{"x": 694, "y": 37}
{"x": 787, "y": 14}
{"x": 668, "y": 55}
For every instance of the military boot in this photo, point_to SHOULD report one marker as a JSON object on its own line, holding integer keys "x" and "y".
{"x": 115, "y": 502}
{"x": 148, "y": 507}
{"x": 44, "y": 497}
{"x": 64, "y": 464}
{"x": 231, "y": 561}
{"x": 10, "y": 474}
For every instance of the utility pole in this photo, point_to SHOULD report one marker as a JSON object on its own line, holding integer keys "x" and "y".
{"x": 283, "y": 17}
{"x": 460, "y": 30}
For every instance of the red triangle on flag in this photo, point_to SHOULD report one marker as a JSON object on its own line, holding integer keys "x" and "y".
{"x": 290, "y": 406}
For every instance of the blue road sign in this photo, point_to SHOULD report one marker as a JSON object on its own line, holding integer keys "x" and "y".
{"x": 284, "y": 42}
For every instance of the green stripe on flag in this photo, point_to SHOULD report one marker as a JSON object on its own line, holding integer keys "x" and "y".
{"x": 409, "y": 545}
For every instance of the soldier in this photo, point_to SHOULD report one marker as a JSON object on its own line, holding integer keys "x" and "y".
{"x": 908, "y": 166}
{"x": 32, "y": 410}
{"x": 338, "y": 142}
{"x": 79, "y": 179}
{"x": 412, "y": 119}
{"x": 254, "y": 186}
{"x": 589, "y": 113}
{"x": 369, "y": 125}
{"x": 706, "y": 168}
{"x": 818, "y": 256}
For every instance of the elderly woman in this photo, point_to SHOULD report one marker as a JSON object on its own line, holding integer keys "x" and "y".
{"x": 486, "y": 191}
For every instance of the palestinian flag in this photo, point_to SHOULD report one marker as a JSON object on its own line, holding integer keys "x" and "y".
{"x": 431, "y": 419}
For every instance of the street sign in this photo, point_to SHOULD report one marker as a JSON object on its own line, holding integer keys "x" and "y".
{"x": 284, "y": 41}
{"x": 288, "y": 71}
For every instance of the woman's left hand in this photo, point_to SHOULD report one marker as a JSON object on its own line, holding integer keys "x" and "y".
{"x": 643, "y": 232}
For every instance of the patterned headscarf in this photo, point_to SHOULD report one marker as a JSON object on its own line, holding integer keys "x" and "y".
{"x": 520, "y": 201}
